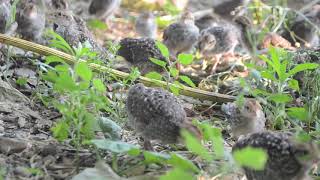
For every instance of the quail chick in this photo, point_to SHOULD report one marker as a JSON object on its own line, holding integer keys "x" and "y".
{"x": 31, "y": 21}
{"x": 181, "y": 36}
{"x": 216, "y": 41}
{"x": 4, "y": 14}
{"x": 139, "y": 51}
{"x": 288, "y": 159}
{"x": 303, "y": 32}
{"x": 206, "y": 21}
{"x": 246, "y": 119}
{"x": 156, "y": 115}
{"x": 103, "y": 9}
{"x": 146, "y": 25}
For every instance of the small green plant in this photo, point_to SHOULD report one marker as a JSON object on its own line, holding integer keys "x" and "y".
{"x": 275, "y": 83}
{"x": 170, "y": 69}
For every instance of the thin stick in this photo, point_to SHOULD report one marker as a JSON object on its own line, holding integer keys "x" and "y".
{"x": 46, "y": 51}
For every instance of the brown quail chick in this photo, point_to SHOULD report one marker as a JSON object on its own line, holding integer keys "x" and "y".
{"x": 288, "y": 159}
{"x": 181, "y": 36}
{"x": 4, "y": 14}
{"x": 31, "y": 21}
{"x": 206, "y": 21}
{"x": 103, "y": 9}
{"x": 274, "y": 39}
{"x": 146, "y": 25}
{"x": 156, "y": 115}
{"x": 303, "y": 32}
{"x": 216, "y": 41}
{"x": 139, "y": 51}
{"x": 246, "y": 119}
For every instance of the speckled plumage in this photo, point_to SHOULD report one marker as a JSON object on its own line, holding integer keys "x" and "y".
{"x": 155, "y": 114}
{"x": 146, "y": 25}
{"x": 4, "y": 14}
{"x": 31, "y": 20}
{"x": 181, "y": 36}
{"x": 306, "y": 33}
{"x": 139, "y": 51}
{"x": 288, "y": 159}
{"x": 103, "y": 8}
{"x": 218, "y": 40}
{"x": 248, "y": 119}
{"x": 206, "y": 21}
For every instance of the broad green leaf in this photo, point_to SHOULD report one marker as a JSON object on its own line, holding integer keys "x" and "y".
{"x": 83, "y": 70}
{"x": 154, "y": 75}
{"x": 187, "y": 80}
{"x": 65, "y": 83}
{"x": 303, "y": 137}
{"x": 158, "y": 62}
{"x": 54, "y": 59}
{"x": 113, "y": 146}
{"x": 97, "y": 24}
{"x": 98, "y": 84}
{"x": 185, "y": 59}
{"x": 134, "y": 152}
{"x": 294, "y": 84}
{"x": 280, "y": 98}
{"x": 22, "y": 81}
{"x": 298, "y": 113}
{"x": 194, "y": 145}
{"x": 253, "y": 158}
{"x": 177, "y": 160}
{"x": 174, "y": 72}
{"x": 257, "y": 92}
{"x": 60, "y": 130}
{"x": 215, "y": 136}
{"x": 154, "y": 157}
{"x": 268, "y": 61}
{"x": 111, "y": 128}
{"x": 303, "y": 67}
{"x": 176, "y": 174}
{"x": 163, "y": 49}
{"x": 268, "y": 75}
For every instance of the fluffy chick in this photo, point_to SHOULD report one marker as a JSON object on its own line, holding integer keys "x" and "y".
{"x": 4, "y": 14}
{"x": 146, "y": 25}
{"x": 218, "y": 40}
{"x": 31, "y": 21}
{"x": 288, "y": 159}
{"x": 156, "y": 115}
{"x": 181, "y": 36}
{"x": 303, "y": 32}
{"x": 139, "y": 51}
{"x": 249, "y": 118}
{"x": 103, "y": 9}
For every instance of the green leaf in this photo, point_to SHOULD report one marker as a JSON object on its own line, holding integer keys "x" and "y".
{"x": 109, "y": 127}
{"x": 187, "y": 80}
{"x": 177, "y": 174}
{"x": 299, "y": 113}
{"x": 163, "y": 49}
{"x": 65, "y": 83}
{"x": 215, "y": 136}
{"x": 174, "y": 72}
{"x": 194, "y": 145}
{"x": 154, "y": 75}
{"x": 185, "y": 59}
{"x": 253, "y": 158}
{"x": 113, "y": 146}
{"x": 54, "y": 59}
{"x": 22, "y": 81}
{"x": 280, "y": 98}
{"x": 98, "y": 84}
{"x": 97, "y": 24}
{"x": 303, "y": 67}
{"x": 83, "y": 70}
{"x": 294, "y": 84}
{"x": 257, "y": 92}
{"x": 60, "y": 130}
{"x": 268, "y": 75}
{"x": 177, "y": 160}
{"x": 158, "y": 62}
{"x": 154, "y": 157}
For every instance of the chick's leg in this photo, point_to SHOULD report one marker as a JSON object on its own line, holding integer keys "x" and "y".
{"x": 215, "y": 64}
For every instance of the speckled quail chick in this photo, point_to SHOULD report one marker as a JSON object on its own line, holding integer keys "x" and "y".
{"x": 249, "y": 118}
{"x": 206, "y": 21}
{"x": 139, "y": 51}
{"x": 103, "y": 9}
{"x": 156, "y": 115}
{"x": 288, "y": 159}
{"x": 181, "y": 36}
{"x": 4, "y": 14}
{"x": 31, "y": 21}
{"x": 146, "y": 25}
{"x": 303, "y": 32}
{"x": 218, "y": 40}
